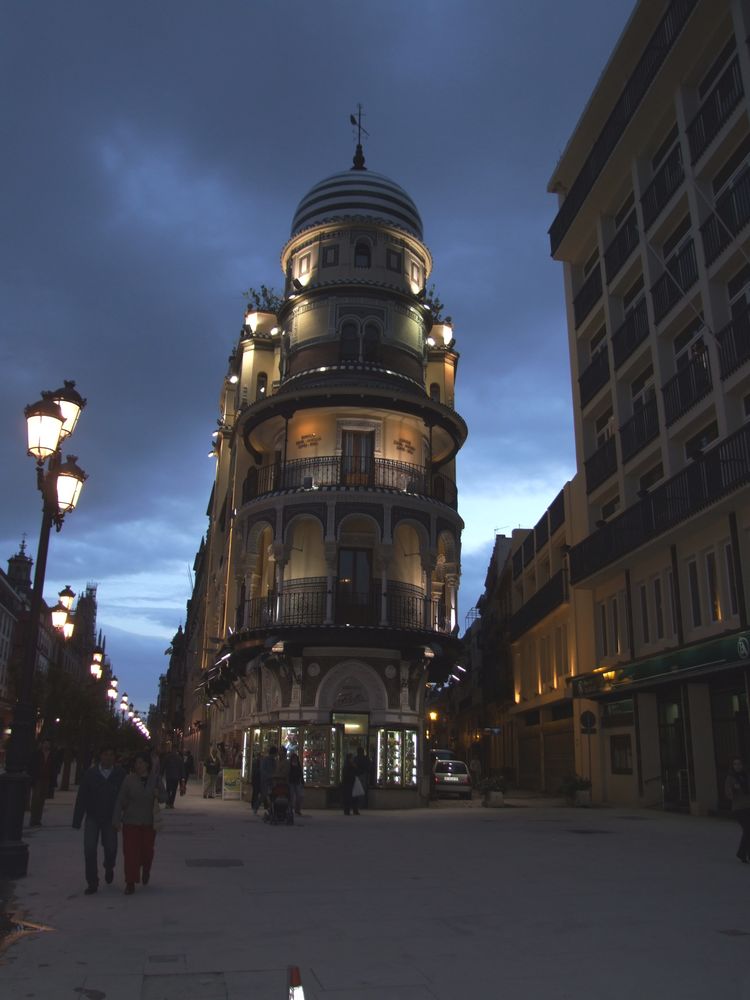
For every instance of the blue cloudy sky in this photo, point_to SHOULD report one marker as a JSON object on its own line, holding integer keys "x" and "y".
{"x": 153, "y": 154}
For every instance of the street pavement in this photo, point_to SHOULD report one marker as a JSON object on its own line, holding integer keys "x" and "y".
{"x": 536, "y": 900}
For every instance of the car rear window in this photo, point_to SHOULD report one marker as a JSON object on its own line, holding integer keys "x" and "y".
{"x": 451, "y": 767}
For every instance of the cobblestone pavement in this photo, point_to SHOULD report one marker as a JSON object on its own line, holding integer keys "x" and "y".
{"x": 450, "y": 902}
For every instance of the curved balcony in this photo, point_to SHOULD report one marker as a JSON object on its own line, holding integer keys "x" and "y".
{"x": 311, "y": 605}
{"x": 347, "y": 471}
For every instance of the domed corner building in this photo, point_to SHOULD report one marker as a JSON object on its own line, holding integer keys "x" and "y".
{"x": 327, "y": 583}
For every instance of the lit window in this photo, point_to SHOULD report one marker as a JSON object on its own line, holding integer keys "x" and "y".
{"x": 304, "y": 265}
{"x": 261, "y": 386}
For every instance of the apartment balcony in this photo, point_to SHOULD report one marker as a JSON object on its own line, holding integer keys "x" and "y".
{"x": 541, "y": 532}
{"x": 601, "y": 465}
{"x": 359, "y": 471}
{"x": 715, "y": 110}
{"x": 588, "y": 295}
{"x": 557, "y": 513}
{"x": 709, "y": 478}
{"x": 648, "y": 66}
{"x": 621, "y": 247}
{"x": 734, "y": 343}
{"x": 631, "y": 332}
{"x": 517, "y": 563}
{"x": 731, "y": 215}
{"x": 528, "y": 548}
{"x": 636, "y": 433}
{"x": 549, "y": 597}
{"x": 680, "y": 275}
{"x": 308, "y": 604}
{"x": 665, "y": 182}
{"x": 594, "y": 376}
{"x": 687, "y": 387}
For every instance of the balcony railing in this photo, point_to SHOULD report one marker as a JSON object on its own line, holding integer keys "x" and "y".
{"x": 687, "y": 387}
{"x": 621, "y": 247}
{"x": 731, "y": 215}
{"x": 517, "y": 563}
{"x": 550, "y": 596}
{"x": 720, "y": 471}
{"x": 601, "y": 465}
{"x": 625, "y": 107}
{"x": 715, "y": 110}
{"x": 593, "y": 377}
{"x": 588, "y": 295}
{"x": 541, "y": 532}
{"x": 306, "y": 606}
{"x": 557, "y": 513}
{"x": 666, "y": 181}
{"x": 734, "y": 343}
{"x": 680, "y": 275}
{"x": 528, "y": 548}
{"x": 346, "y": 470}
{"x": 631, "y": 332}
{"x": 642, "y": 427}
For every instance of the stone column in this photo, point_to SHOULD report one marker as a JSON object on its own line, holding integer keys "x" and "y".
{"x": 331, "y": 550}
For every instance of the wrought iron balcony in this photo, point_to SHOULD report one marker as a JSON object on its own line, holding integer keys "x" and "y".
{"x": 601, "y": 465}
{"x": 680, "y": 275}
{"x": 349, "y": 471}
{"x": 720, "y": 471}
{"x": 666, "y": 181}
{"x": 305, "y": 605}
{"x": 594, "y": 376}
{"x": 642, "y": 427}
{"x": 648, "y": 66}
{"x": 731, "y": 215}
{"x": 631, "y": 332}
{"x": 621, "y": 247}
{"x": 549, "y": 596}
{"x": 734, "y": 343}
{"x": 588, "y": 295}
{"x": 687, "y": 387}
{"x": 715, "y": 110}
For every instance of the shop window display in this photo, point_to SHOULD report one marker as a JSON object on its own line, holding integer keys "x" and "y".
{"x": 397, "y": 758}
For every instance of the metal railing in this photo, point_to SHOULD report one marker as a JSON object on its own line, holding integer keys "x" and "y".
{"x": 731, "y": 215}
{"x": 588, "y": 295}
{"x": 594, "y": 376}
{"x": 601, "y": 465}
{"x": 348, "y": 471}
{"x": 642, "y": 427}
{"x": 715, "y": 110}
{"x": 624, "y": 243}
{"x": 557, "y": 513}
{"x": 734, "y": 343}
{"x": 665, "y": 182}
{"x": 631, "y": 332}
{"x": 681, "y": 273}
{"x": 711, "y": 476}
{"x": 687, "y": 387}
{"x": 549, "y": 596}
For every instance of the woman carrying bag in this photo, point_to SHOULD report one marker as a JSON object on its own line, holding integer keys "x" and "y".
{"x": 137, "y": 811}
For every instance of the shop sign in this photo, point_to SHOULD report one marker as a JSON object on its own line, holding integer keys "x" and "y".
{"x": 231, "y": 787}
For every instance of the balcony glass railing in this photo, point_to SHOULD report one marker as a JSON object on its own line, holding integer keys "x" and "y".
{"x": 731, "y": 215}
{"x": 680, "y": 275}
{"x": 642, "y": 427}
{"x": 710, "y": 477}
{"x": 687, "y": 387}
{"x": 715, "y": 110}
{"x": 601, "y": 465}
{"x": 734, "y": 343}
{"x": 348, "y": 471}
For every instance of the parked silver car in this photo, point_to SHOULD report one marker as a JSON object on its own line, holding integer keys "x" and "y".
{"x": 451, "y": 777}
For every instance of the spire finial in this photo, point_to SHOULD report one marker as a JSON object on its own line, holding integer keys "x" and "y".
{"x": 359, "y": 156}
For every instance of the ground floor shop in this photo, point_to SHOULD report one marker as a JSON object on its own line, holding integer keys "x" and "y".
{"x": 545, "y": 747}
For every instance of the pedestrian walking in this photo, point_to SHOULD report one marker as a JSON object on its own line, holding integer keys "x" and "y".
{"x": 296, "y": 784}
{"x": 94, "y": 808}
{"x": 737, "y": 790}
{"x": 43, "y": 775}
{"x": 267, "y": 771}
{"x": 348, "y": 791}
{"x": 173, "y": 770}
{"x": 189, "y": 765}
{"x": 362, "y": 767}
{"x": 211, "y": 768}
{"x": 137, "y": 801}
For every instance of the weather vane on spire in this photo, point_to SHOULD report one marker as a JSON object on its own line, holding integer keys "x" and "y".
{"x": 359, "y": 156}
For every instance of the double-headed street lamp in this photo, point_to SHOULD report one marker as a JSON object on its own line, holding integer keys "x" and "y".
{"x": 50, "y": 422}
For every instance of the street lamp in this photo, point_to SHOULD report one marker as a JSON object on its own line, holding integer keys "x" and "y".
{"x": 66, "y": 596}
{"x": 68, "y": 627}
{"x": 59, "y": 615}
{"x": 49, "y": 422}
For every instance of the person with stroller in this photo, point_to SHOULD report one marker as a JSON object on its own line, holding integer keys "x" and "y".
{"x": 296, "y": 784}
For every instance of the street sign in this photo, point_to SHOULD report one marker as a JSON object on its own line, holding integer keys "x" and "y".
{"x": 588, "y": 723}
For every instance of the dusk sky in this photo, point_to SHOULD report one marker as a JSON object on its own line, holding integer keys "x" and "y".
{"x": 153, "y": 155}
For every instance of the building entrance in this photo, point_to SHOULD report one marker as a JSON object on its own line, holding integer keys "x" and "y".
{"x": 675, "y": 776}
{"x": 356, "y": 727}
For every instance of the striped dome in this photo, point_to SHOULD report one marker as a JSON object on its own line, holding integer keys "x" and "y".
{"x": 356, "y": 193}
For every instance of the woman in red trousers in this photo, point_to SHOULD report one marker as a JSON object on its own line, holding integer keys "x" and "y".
{"x": 134, "y": 811}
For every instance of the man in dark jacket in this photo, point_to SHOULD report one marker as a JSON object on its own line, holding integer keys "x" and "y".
{"x": 96, "y": 801}
{"x": 173, "y": 772}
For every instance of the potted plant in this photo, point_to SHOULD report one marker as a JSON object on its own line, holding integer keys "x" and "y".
{"x": 493, "y": 791}
{"x": 577, "y": 790}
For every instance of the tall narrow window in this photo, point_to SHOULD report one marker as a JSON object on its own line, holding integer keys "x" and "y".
{"x": 362, "y": 254}
{"x": 603, "y": 644}
{"x": 695, "y": 594}
{"x": 435, "y": 392}
{"x": 658, "y": 609}
{"x": 614, "y": 611}
{"x": 714, "y": 601}
{"x": 261, "y": 386}
{"x": 349, "y": 342}
{"x": 672, "y": 602}
{"x": 371, "y": 343}
{"x": 357, "y": 451}
{"x": 353, "y": 587}
{"x": 644, "y": 614}
{"x": 731, "y": 579}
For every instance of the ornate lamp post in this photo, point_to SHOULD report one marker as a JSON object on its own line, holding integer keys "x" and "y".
{"x": 49, "y": 421}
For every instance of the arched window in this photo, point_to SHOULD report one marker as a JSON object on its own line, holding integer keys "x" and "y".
{"x": 362, "y": 255}
{"x": 349, "y": 342}
{"x": 371, "y": 343}
{"x": 261, "y": 386}
{"x": 435, "y": 392}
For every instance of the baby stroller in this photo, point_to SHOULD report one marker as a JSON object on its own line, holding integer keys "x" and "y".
{"x": 280, "y": 805}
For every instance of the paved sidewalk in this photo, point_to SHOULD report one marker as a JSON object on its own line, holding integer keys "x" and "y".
{"x": 450, "y": 902}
